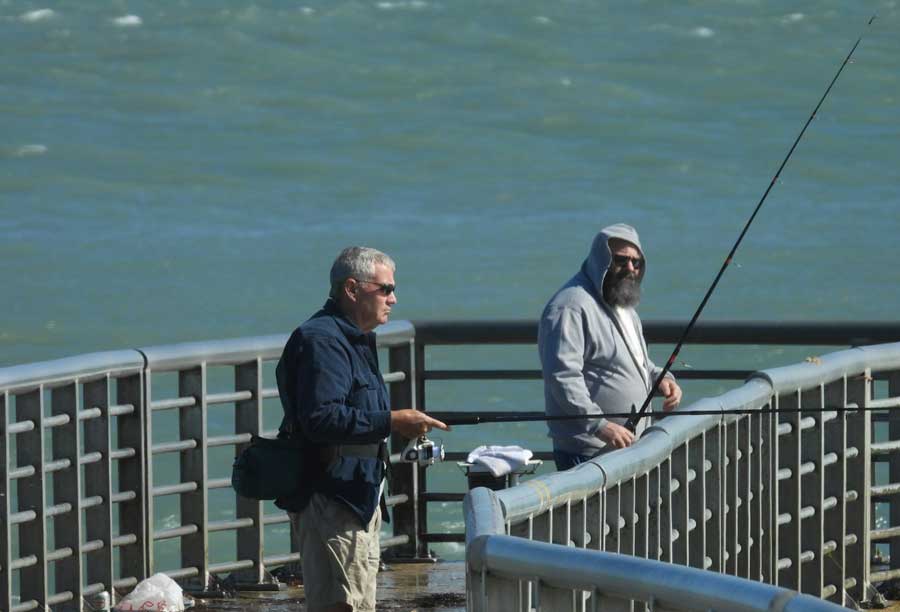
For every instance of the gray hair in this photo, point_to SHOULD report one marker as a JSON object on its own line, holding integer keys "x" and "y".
{"x": 356, "y": 262}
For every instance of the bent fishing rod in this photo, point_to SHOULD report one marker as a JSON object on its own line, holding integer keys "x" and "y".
{"x": 634, "y": 417}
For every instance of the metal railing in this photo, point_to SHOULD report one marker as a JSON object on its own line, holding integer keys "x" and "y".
{"x": 83, "y": 439}
{"x": 782, "y": 498}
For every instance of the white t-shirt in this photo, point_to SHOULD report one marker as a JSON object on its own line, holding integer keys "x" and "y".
{"x": 632, "y": 338}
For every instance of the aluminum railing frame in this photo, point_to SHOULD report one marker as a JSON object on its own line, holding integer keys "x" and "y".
{"x": 654, "y": 500}
{"x": 109, "y": 393}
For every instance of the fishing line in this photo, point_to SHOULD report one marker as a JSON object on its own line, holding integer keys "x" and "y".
{"x": 634, "y": 417}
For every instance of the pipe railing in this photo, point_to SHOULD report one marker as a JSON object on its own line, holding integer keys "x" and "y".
{"x": 781, "y": 498}
{"x": 82, "y": 438}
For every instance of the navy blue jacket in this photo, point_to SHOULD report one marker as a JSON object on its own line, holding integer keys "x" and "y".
{"x": 332, "y": 393}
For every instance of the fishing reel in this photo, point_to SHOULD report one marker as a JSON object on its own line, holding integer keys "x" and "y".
{"x": 423, "y": 451}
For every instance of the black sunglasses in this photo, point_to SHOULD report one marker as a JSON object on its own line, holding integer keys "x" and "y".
{"x": 622, "y": 260}
{"x": 385, "y": 288}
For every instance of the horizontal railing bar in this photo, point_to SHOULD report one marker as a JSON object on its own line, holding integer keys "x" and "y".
{"x": 481, "y": 374}
{"x": 61, "y": 597}
{"x": 121, "y": 409}
{"x": 885, "y": 490}
{"x": 269, "y": 392}
{"x": 173, "y": 447}
{"x": 175, "y": 532}
{"x": 20, "y": 427}
{"x": 501, "y": 374}
{"x": 56, "y": 420}
{"x": 231, "y": 524}
{"x": 395, "y": 500}
{"x": 820, "y": 333}
{"x": 175, "y": 402}
{"x": 225, "y": 398}
{"x": 92, "y": 546}
{"x": 885, "y": 448}
{"x": 183, "y": 487}
{"x": 122, "y": 453}
{"x": 59, "y": 553}
{"x": 122, "y": 583}
{"x": 185, "y": 572}
{"x": 392, "y": 377}
{"x": 884, "y": 576}
{"x": 443, "y": 537}
{"x": 281, "y": 559}
{"x": 230, "y": 566}
{"x": 55, "y": 466}
{"x": 90, "y": 502}
{"x": 25, "y": 606}
{"x": 22, "y": 472}
{"x": 22, "y": 517}
{"x": 218, "y": 483}
{"x": 124, "y": 540}
{"x": 397, "y": 540}
{"x": 58, "y": 509}
{"x": 89, "y": 413}
{"x": 884, "y": 534}
{"x": 275, "y": 519}
{"x": 123, "y": 497}
{"x": 887, "y": 402}
{"x": 226, "y": 440}
{"x": 90, "y": 458}
{"x": 93, "y": 589}
{"x": 441, "y": 497}
{"x": 23, "y": 562}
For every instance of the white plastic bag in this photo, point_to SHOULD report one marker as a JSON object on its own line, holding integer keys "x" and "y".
{"x": 158, "y": 592}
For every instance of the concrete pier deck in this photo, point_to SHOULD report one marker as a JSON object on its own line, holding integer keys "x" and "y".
{"x": 402, "y": 587}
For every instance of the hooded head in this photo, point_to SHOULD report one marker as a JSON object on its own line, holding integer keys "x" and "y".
{"x": 622, "y": 288}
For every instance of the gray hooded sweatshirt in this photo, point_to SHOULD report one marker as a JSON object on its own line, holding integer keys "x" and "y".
{"x": 587, "y": 364}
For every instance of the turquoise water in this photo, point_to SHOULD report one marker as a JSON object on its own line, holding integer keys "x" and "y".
{"x": 188, "y": 170}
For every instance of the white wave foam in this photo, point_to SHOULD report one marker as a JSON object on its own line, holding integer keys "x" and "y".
{"x": 37, "y": 15}
{"x": 128, "y": 21}
{"x": 307, "y": 10}
{"x": 792, "y": 18}
{"x": 30, "y": 149}
{"x": 541, "y": 19}
{"x": 703, "y": 32}
{"x": 402, "y": 4}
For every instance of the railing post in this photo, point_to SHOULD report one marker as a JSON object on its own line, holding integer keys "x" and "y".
{"x": 893, "y": 380}
{"x": 859, "y": 476}
{"x": 248, "y": 419}
{"x": 66, "y": 442}
{"x": 812, "y": 494}
{"x": 715, "y": 496}
{"x": 679, "y": 507}
{"x": 836, "y": 486}
{"x": 97, "y": 484}
{"x": 194, "y": 504}
{"x": 789, "y": 548}
{"x": 32, "y": 533}
{"x": 133, "y": 476}
{"x": 696, "y": 491}
{"x": 5, "y": 501}
{"x": 404, "y": 479}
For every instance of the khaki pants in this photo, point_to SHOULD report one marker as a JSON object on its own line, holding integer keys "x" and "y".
{"x": 339, "y": 557}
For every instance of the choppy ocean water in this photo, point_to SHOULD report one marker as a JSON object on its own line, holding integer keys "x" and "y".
{"x": 186, "y": 171}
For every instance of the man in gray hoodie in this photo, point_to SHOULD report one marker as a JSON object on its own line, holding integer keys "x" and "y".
{"x": 593, "y": 354}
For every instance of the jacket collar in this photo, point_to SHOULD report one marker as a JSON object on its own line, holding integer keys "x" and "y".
{"x": 347, "y": 327}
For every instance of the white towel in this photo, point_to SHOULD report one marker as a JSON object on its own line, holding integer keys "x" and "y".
{"x": 500, "y": 460}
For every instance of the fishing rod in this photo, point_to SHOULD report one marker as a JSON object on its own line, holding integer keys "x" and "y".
{"x": 520, "y": 417}
{"x": 634, "y": 417}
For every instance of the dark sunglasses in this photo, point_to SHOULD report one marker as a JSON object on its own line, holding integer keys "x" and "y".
{"x": 622, "y": 260}
{"x": 385, "y": 288}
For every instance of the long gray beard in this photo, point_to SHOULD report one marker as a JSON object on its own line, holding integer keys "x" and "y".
{"x": 624, "y": 292}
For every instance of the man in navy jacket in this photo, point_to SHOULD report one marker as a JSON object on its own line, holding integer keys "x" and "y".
{"x": 336, "y": 405}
